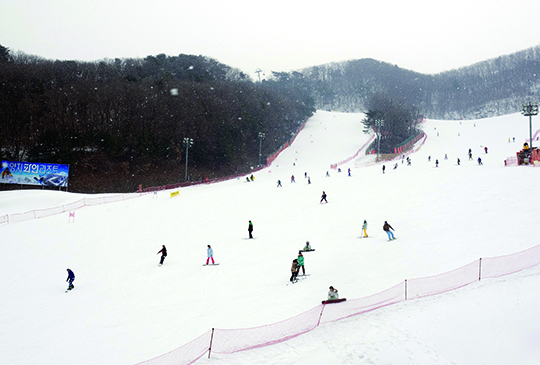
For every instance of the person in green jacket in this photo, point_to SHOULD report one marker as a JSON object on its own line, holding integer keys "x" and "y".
{"x": 364, "y": 227}
{"x": 300, "y": 260}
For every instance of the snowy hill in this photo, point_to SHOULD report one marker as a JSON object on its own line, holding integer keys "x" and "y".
{"x": 126, "y": 309}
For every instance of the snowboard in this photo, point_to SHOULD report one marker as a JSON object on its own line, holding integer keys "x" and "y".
{"x": 308, "y": 250}
{"x": 210, "y": 264}
{"x": 330, "y": 301}
{"x": 393, "y": 239}
{"x": 298, "y": 278}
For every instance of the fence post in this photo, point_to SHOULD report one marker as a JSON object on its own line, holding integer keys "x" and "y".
{"x": 480, "y": 269}
{"x": 405, "y": 289}
{"x": 320, "y": 315}
{"x": 210, "y": 347}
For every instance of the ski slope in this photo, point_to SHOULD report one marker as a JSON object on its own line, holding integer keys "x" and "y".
{"x": 126, "y": 309}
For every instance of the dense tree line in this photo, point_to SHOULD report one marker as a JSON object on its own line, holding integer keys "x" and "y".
{"x": 119, "y": 123}
{"x": 489, "y": 88}
{"x": 394, "y": 122}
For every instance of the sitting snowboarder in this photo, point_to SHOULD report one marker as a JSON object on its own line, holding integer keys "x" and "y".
{"x": 333, "y": 293}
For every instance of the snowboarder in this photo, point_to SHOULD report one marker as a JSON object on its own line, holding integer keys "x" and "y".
{"x": 250, "y": 229}
{"x": 458, "y": 161}
{"x": 387, "y": 228}
{"x": 395, "y": 166}
{"x": 307, "y": 247}
{"x": 408, "y": 161}
{"x": 480, "y": 161}
{"x": 294, "y": 270}
{"x": 323, "y": 197}
{"x": 364, "y": 228}
{"x": 300, "y": 260}
{"x": 70, "y": 279}
{"x": 210, "y": 255}
{"x": 163, "y": 253}
{"x": 332, "y": 293}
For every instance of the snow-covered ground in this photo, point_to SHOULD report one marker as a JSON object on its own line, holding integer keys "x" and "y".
{"x": 126, "y": 309}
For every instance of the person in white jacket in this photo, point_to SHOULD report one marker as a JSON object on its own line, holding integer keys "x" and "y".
{"x": 333, "y": 293}
{"x": 210, "y": 255}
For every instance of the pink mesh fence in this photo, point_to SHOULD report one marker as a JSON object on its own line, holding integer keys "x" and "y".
{"x": 187, "y": 354}
{"x": 42, "y": 213}
{"x": 423, "y": 287}
{"x": 234, "y": 340}
{"x": 231, "y": 341}
{"x": 353, "y": 307}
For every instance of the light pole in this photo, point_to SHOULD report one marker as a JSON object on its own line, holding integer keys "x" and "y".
{"x": 188, "y": 142}
{"x": 529, "y": 109}
{"x": 261, "y": 137}
{"x": 379, "y": 124}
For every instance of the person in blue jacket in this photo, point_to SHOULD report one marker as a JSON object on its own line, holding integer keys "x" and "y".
{"x": 70, "y": 279}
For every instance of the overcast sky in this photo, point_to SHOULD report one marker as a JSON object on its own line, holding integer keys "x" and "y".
{"x": 422, "y": 35}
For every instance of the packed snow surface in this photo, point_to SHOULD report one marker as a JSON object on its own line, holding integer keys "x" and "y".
{"x": 126, "y": 309}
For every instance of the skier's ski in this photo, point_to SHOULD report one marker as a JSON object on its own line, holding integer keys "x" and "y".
{"x": 210, "y": 264}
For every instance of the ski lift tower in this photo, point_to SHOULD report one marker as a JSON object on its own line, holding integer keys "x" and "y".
{"x": 529, "y": 109}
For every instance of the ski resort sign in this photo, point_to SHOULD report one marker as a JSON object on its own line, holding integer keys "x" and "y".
{"x": 34, "y": 173}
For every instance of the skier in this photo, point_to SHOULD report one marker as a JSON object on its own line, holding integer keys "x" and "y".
{"x": 294, "y": 270}
{"x": 327, "y": 174}
{"x": 364, "y": 227}
{"x": 307, "y": 247}
{"x": 70, "y": 279}
{"x": 332, "y": 293}
{"x": 436, "y": 163}
{"x": 458, "y": 161}
{"x": 383, "y": 168}
{"x": 323, "y": 197}
{"x": 300, "y": 260}
{"x": 480, "y": 161}
{"x": 250, "y": 229}
{"x": 163, "y": 253}
{"x": 279, "y": 183}
{"x": 292, "y": 179}
{"x": 210, "y": 255}
{"x": 485, "y": 149}
{"x": 349, "y": 171}
{"x": 387, "y": 228}
{"x": 309, "y": 180}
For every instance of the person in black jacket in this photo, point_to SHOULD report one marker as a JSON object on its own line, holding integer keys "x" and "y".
{"x": 250, "y": 229}
{"x": 163, "y": 253}
{"x": 387, "y": 228}
{"x": 70, "y": 279}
